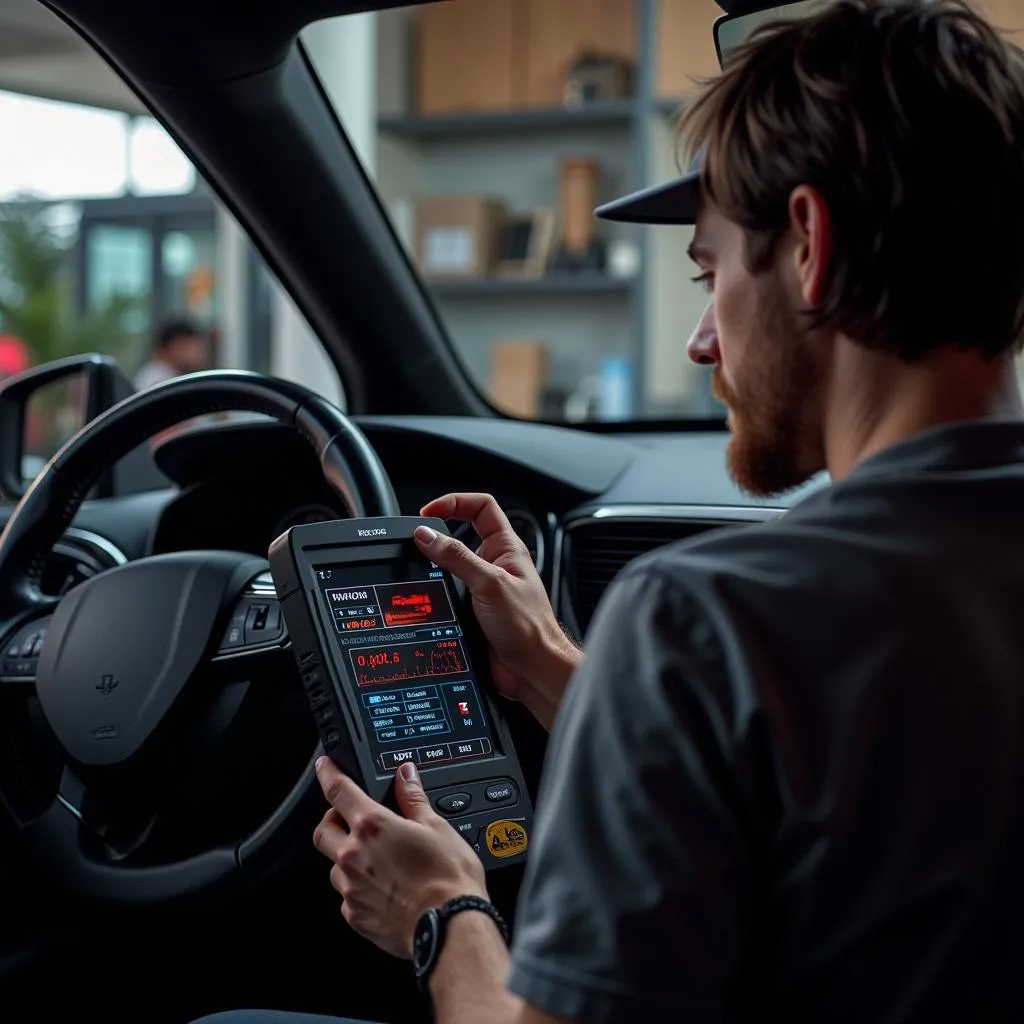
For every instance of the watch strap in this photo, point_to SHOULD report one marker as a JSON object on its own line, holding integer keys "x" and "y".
{"x": 459, "y": 903}
{"x": 443, "y": 915}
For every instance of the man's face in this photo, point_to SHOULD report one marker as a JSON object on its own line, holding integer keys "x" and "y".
{"x": 188, "y": 352}
{"x": 768, "y": 368}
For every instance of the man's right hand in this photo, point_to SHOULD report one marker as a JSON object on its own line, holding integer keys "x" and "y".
{"x": 531, "y": 657}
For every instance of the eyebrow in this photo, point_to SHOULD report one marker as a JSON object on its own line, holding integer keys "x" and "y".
{"x": 698, "y": 253}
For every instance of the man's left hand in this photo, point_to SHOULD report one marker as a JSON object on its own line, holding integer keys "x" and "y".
{"x": 390, "y": 868}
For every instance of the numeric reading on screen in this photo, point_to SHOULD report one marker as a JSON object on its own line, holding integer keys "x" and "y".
{"x": 402, "y": 662}
{"x": 405, "y": 652}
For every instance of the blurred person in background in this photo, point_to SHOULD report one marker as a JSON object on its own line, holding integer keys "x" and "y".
{"x": 179, "y": 347}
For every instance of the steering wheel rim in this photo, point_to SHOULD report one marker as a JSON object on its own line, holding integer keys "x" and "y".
{"x": 349, "y": 463}
{"x": 350, "y": 466}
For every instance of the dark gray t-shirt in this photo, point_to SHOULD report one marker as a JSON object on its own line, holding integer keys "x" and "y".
{"x": 789, "y": 777}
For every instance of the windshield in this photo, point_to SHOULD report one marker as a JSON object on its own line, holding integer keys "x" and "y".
{"x": 491, "y": 131}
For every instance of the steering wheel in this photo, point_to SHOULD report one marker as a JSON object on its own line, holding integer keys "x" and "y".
{"x": 121, "y": 663}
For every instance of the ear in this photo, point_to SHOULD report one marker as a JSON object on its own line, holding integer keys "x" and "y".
{"x": 811, "y": 224}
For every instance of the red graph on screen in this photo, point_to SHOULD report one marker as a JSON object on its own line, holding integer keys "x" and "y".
{"x": 400, "y": 663}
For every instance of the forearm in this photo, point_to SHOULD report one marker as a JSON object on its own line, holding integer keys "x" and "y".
{"x": 542, "y": 694}
{"x": 468, "y": 983}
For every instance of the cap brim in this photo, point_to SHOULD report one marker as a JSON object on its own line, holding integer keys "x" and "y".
{"x": 674, "y": 202}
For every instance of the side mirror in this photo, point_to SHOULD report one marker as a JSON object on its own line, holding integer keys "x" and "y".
{"x": 732, "y": 30}
{"x": 43, "y": 407}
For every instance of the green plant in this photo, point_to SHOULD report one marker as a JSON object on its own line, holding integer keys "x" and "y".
{"x": 37, "y": 301}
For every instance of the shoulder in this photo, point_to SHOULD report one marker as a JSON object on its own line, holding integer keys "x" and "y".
{"x": 757, "y": 605}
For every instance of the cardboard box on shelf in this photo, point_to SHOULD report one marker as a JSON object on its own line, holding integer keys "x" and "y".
{"x": 458, "y": 236}
{"x": 467, "y": 56}
{"x": 519, "y": 369}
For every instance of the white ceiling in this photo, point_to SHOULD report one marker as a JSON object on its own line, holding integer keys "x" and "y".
{"x": 41, "y": 56}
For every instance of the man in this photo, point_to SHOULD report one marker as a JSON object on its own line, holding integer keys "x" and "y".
{"x": 179, "y": 347}
{"x": 787, "y": 779}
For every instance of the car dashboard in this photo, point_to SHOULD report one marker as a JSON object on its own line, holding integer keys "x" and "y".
{"x": 584, "y": 503}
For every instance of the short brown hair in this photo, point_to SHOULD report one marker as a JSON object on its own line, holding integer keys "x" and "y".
{"x": 908, "y": 117}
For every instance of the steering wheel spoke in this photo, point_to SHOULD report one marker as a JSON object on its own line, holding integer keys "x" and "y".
{"x": 75, "y": 797}
{"x": 71, "y": 793}
{"x": 70, "y": 846}
{"x": 117, "y": 825}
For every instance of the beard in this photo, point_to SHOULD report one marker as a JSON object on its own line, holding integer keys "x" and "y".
{"x": 775, "y": 405}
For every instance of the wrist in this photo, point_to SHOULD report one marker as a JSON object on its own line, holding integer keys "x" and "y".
{"x": 436, "y": 896}
{"x": 542, "y": 692}
{"x": 433, "y": 933}
{"x": 559, "y": 660}
{"x": 470, "y": 936}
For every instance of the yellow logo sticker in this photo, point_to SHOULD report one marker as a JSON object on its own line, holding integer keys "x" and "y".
{"x": 505, "y": 838}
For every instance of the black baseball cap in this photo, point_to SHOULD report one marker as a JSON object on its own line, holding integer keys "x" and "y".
{"x": 672, "y": 202}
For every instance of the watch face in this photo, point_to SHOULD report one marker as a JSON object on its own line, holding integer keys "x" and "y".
{"x": 424, "y": 943}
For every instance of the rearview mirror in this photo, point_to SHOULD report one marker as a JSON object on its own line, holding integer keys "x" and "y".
{"x": 732, "y": 30}
{"x": 43, "y": 407}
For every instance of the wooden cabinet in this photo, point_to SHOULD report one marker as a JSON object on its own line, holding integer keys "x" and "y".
{"x": 1004, "y": 14}
{"x": 686, "y": 46}
{"x": 488, "y": 55}
{"x": 469, "y": 56}
{"x": 558, "y": 31}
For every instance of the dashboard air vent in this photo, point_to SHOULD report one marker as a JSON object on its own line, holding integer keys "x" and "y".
{"x": 598, "y": 550}
{"x": 76, "y": 557}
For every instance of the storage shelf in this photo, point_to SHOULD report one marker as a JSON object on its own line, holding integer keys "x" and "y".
{"x": 566, "y": 283}
{"x": 422, "y": 127}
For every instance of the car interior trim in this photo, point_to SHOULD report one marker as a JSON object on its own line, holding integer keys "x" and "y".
{"x": 725, "y": 515}
{"x": 96, "y": 542}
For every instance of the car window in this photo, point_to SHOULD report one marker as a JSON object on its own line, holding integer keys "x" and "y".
{"x": 110, "y": 240}
{"x": 491, "y": 129}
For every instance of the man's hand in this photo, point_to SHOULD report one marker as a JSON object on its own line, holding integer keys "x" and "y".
{"x": 389, "y": 869}
{"x": 531, "y": 657}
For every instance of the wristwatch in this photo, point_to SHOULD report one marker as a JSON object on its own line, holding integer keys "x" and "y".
{"x": 431, "y": 928}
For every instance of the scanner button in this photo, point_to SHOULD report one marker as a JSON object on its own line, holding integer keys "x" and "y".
{"x": 431, "y": 755}
{"x": 391, "y": 759}
{"x": 467, "y": 829}
{"x": 501, "y": 792}
{"x": 454, "y": 803}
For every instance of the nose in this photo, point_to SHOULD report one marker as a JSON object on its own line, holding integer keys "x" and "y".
{"x": 702, "y": 347}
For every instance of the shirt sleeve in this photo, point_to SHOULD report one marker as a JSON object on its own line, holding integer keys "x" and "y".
{"x": 634, "y": 903}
